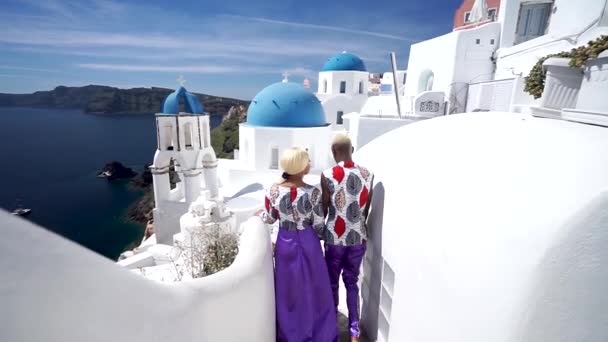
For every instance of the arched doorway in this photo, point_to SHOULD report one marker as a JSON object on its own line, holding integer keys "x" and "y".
{"x": 425, "y": 82}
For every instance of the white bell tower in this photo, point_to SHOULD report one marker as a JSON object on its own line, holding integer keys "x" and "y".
{"x": 184, "y": 143}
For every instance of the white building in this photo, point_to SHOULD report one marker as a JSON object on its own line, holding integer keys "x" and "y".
{"x": 381, "y": 114}
{"x": 343, "y": 86}
{"x": 281, "y": 116}
{"x": 482, "y": 67}
{"x": 387, "y": 83}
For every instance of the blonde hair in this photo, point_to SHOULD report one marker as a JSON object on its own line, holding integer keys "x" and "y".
{"x": 294, "y": 160}
{"x": 341, "y": 138}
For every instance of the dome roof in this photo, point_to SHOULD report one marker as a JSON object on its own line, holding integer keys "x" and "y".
{"x": 191, "y": 103}
{"x": 344, "y": 62}
{"x": 285, "y": 104}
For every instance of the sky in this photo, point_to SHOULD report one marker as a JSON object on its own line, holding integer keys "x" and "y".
{"x": 229, "y": 48}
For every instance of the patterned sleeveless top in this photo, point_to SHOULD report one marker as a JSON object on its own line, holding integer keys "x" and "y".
{"x": 349, "y": 187}
{"x": 294, "y": 208}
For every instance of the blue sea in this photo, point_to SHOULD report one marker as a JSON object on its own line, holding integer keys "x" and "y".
{"x": 49, "y": 163}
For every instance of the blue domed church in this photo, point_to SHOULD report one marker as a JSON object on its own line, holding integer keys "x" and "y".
{"x": 343, "y": 86}
{"x": 281, "y": 116}
{"x": 286, "y": 114}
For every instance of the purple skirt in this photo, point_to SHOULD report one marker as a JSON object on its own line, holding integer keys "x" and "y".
{"x": 305, "y": 307}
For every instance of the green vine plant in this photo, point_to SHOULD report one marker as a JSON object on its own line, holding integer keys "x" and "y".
{"x": 535, "y": 81}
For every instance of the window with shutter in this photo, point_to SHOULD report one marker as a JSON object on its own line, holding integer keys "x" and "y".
{"x": 533, "y": 21}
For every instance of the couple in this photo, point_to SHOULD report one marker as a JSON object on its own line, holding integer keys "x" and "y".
{"x": 306, "y": 285}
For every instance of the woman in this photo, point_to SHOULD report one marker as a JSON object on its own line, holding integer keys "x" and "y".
{"x": 304, "y": 303}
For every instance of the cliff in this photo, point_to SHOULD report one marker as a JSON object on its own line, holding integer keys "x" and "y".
{"x": 110, "y": 100}
{"x": 225, "y": 137}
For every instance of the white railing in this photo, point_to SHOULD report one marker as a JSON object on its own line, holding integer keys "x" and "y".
{"x": 496, "y": 95}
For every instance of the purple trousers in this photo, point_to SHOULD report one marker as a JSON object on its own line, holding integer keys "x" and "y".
{"x": 304, "y": 305}
{"x": 346, "y": 260}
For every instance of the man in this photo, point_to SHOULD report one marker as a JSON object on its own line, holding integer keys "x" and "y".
{"x": 347, "y": 189}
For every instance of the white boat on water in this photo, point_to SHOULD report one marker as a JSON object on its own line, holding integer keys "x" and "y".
{"x": 21, "y": 211}
{"x": 105, "y": 174}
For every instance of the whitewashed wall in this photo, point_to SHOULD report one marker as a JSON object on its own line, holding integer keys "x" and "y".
{"x": 341, "y": 102}
{"x": 260, "y": 141}
{"x": 369, "y": 128}
{"x": 245, "y": 207}
{"x": 166, "y": 220}
{"x": 351, "y": 124}
{"x": 387, "y": 79}
{"x": 456, "y": 59}
{"x": 563, "y": 34}
{"x": 349, "y": 101}
{"x": 561, "y": 23}
{"x": 380, "y": 115}
{"x": 494, "y": 228}
{"x": 519, "y": 59}
{"x": 521, "y": 99}
{"x": 240, "y": 180}
{"x": 439, "y": 56}
{"x": 382, "y": 106}
{"x": 352, "y": 79}
{"x": 474, "y": 52}
{"x": 585, "y": 12}
{"x": 56, "y": 291}
{"x": 386, "y": 106}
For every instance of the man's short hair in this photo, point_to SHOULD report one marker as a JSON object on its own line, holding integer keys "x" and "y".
{"x": 341, "y": 138}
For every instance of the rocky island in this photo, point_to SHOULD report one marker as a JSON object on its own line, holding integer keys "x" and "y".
{"x": 141, "y": 211}
{"x": 110, "y": 100}
{"x": 115, "y": 170}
